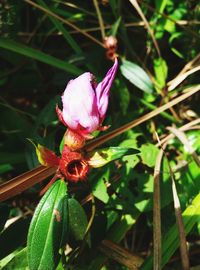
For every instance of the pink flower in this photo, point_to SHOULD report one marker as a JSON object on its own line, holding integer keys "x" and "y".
{"x": 85, "y": 102}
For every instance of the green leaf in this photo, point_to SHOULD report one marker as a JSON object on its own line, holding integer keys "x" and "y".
{"x": 101, "y": 157}
{"x": 123, "y": 96}
{"x": 49, "y": 228}
{"x": 131, "y": 160}
{"x": 18, "y": 261}
{"x": 115, "y": 234}
{"x": 38, "y": 55}
{"x": 115, "y": 27}
{"x": 149, "y": 154}
{"x": 176, "y": 36}
{"x": 77, "y": 220}
{"x": 137, "y": 76}
{"x": 99, "y": 189}
{"x": 160, "y": 5}
{"x": 48, "y": 113}
{"x": 5, "y": 168}
{"x": 161, "y": 71}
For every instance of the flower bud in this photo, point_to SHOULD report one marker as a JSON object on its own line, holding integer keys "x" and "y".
{"x": 85, "y": 102}
{"x": 73, "y": 140}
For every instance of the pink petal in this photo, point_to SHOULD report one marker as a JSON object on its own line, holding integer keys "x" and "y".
{"x": 79, "y": 104}
{"x": 103, "y": 89}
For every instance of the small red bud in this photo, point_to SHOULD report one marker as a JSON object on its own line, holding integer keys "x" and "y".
{"x": 110, "y": 44}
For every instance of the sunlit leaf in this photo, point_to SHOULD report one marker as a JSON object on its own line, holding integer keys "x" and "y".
{"x": 148, "y": 154}
{"x": 18, "y": 261}
{"x": 49, "y": 228}
{"x": 99, "y": 188}
{"x": 137, "y": 76}
{"x": 101, "y": 157}
{"x": 161, "y": 71}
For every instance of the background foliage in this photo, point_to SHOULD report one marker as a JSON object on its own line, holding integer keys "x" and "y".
{"x": 43, "y": 45}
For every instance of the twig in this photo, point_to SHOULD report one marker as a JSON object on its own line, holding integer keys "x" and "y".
{"x": 121, "y": 255}
{"x": 181, "y": 136}
{"x": 157, "y": 247}
{"x": 47, "y": 11}
{"x": 24, "y": 181}
{"x": 94, "y": 29}
{"x": 137, "y": 7}
{"x": 90, "y": 146}
{"x": 183, "y": 128}
{"x": 180, "y": 78}
{"x": 179, "y": 220}
{"x": 100, "y": 19}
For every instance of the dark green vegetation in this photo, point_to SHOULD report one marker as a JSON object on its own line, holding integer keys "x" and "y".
{"x": 43, "y": 45}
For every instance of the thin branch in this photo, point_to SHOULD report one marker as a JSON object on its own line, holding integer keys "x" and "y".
{"x": 183, "y": 128}
{"x": 22, "y": 182}
{"x": 138, "y": 9}
{"x": 100, "y": 19}
{"x": 181, "y": 77}
{"x": 181, "y": 136}
{"x": 97, "y": 142}
{"x": 115, "y": 252}
{"x": 157, "y": 247}
{"x": 47, "y": 11}
{"x": 94, "y": 29}
{"x": 179, "y": 220}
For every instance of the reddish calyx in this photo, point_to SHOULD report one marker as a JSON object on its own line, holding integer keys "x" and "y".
{"x": 73, "y": 140}
{"x": 73, "y": 165}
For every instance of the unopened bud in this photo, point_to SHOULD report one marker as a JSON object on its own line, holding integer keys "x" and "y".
{"x": 73, "y": 140}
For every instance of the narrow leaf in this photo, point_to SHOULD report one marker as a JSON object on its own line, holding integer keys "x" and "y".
{"x": 74, "y": 45}
{"x": 170, "y": 241}
{"x": 38, "y": 55}
{"x": 17, "y": 261}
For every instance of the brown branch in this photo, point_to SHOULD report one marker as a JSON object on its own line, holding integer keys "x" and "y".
{"x": 28, "y": 179}
{"x": 97, "y": 142}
